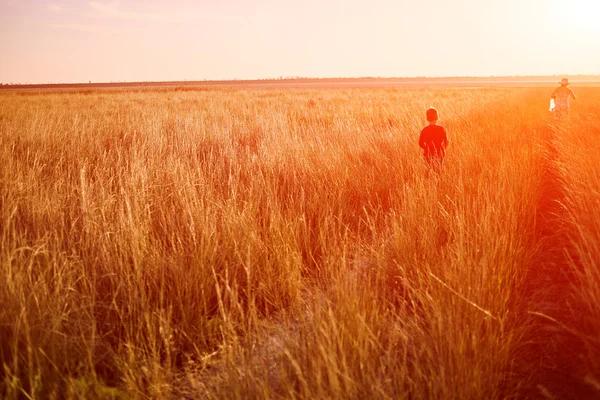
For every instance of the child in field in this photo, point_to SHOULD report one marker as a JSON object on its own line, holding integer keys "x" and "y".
{"x": 433, "y": 141}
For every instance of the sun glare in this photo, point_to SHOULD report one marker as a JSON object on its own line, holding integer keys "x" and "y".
{"x": 578, "y": 17}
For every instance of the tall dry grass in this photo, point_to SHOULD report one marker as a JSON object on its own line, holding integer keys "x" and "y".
{"x": 577, "y": 141}
{"x": 256, "y": 244}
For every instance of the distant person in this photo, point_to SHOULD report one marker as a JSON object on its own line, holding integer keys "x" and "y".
{"x": 561, "y": 97}
{"x": 433, "y": 141}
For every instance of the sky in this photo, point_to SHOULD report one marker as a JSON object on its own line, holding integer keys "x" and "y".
{"x": 165, "y": 40}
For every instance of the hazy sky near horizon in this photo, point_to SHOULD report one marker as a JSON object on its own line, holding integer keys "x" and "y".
{"x": 155, "y": 40}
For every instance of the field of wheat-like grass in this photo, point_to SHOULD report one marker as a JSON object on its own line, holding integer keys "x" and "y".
{"x": 292, "y": 244}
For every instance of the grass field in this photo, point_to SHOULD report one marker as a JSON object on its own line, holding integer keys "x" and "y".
{"x": 290, "y": 243}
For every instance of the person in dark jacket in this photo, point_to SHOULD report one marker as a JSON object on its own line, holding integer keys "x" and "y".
{"x": 433, "y": 141}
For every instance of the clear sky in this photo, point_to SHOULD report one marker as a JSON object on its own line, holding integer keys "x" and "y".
{"x": 134, "y": 40}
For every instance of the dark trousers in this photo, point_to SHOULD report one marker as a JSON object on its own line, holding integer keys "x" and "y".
{"x": 434, "y": 161}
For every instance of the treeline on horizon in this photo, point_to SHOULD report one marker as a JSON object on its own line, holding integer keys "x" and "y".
{"x": 300, "y": 79}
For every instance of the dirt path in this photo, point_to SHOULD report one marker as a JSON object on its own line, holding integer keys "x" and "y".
{"x": 550, "y": 355}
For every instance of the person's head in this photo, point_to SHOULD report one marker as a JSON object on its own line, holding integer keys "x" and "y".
{"x": 564, "y": 82}
{"x": 432, "y": 115}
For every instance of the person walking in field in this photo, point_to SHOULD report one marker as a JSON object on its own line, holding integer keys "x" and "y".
{"x": 561, "y": 96}
{"x": 433, "y": 141}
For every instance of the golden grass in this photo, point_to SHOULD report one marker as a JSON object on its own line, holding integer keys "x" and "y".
{"x": 258, "y": 244}
{"x": 578, "y": 144}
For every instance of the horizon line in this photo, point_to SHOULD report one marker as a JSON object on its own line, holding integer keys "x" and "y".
{"x": 307, "y": 78}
